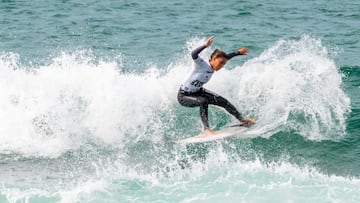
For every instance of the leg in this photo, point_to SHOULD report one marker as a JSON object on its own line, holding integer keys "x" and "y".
{"x": 218, "y": 100}
{"x": 193, "y": 100}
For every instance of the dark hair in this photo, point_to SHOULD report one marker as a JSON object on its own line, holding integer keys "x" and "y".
{"x": 218, "y": 53}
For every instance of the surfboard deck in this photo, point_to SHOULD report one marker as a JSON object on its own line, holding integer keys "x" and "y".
{"x": 219, "y": 134}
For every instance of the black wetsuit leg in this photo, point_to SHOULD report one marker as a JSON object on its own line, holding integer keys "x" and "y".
{"x": 203, "y": 98}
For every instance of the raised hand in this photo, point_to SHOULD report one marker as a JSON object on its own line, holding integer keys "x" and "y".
{"x": 209, "y": 41}
{"x": 243, "y": 51}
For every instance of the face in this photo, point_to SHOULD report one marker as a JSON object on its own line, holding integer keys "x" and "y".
{"x": 218, "y": 63}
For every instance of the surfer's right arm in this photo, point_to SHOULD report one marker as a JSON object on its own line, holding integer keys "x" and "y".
{"x": 196, "y": 52}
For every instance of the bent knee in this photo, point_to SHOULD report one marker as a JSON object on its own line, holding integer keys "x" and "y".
{"x": 202, "y": 101}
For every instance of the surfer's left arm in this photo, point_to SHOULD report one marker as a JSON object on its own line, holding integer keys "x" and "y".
{"x": 241, "y": 51}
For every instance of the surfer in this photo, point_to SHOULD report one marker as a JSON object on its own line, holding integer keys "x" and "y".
{"x": 192, "y": 93}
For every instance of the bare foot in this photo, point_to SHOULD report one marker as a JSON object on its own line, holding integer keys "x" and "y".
{"x": 209, "y": 132}
{"x": 248, "y": 121}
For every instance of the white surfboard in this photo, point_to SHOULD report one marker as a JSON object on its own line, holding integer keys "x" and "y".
{"x": 219, "y": 134}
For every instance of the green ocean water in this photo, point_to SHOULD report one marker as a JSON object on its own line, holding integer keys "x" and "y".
{"x": 88, "y": 109}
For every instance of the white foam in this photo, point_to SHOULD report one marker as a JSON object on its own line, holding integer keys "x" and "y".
{"x": 83, "y": 192}
{"x": 51, "y": 109}
{"x": 220, "y": 177}
{"x": 292, "y": 85}
{"x": 254, "y": 181}
{"x": 60, "y": 106}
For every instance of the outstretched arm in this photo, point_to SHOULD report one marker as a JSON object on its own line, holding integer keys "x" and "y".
{"x": 196, "y": 52}
{"x": 241, "y": 51}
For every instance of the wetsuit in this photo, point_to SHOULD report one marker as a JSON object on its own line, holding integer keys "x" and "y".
{"x": 192, "y": 94}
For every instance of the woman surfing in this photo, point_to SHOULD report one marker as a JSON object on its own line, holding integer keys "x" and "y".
{"x": 192, "y": 93}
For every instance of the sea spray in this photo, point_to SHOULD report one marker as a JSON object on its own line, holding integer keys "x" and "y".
{"x": 101, "y": 133}
{"x": 293, "y": 85}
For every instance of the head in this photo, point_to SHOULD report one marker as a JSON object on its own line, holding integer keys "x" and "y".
{"x": 218, "y": 59}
